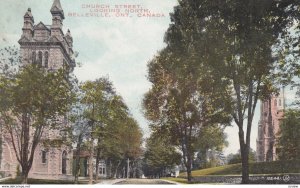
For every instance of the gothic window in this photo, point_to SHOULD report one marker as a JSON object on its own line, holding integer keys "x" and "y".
{"x": 33, "y": 57}
{"x": 44, "y": 154}
{"x": 279, "y": 102}
{"x": 46, "y": 59}
{"x": 64, "y": 163}
{"x": 40, "y": 58}
{"x": 275, "y": 102}
{"x": 64, "y": 65}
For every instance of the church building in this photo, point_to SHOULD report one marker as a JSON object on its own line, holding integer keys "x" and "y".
{"x": 272, "y": 111}
{"x": 48, "y": 46}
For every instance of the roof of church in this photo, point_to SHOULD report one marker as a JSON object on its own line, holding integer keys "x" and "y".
{"x": 41, "y": 26}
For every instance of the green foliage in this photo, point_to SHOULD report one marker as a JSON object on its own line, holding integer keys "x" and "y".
{"x": 233, "y": 46}
{"x": 236, "y": 158}
{"x": 36, "y": 181}
{"x": 289, "y": 136}
{"x": 106, "y": 116}
{"x": 32, "y": 101}
{"x": 210, "y": 138}
{"x": 159, "y": 156}
{"x": 18, "y": 171}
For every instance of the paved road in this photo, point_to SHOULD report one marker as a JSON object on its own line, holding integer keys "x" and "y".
{"x": 143, "y": 181}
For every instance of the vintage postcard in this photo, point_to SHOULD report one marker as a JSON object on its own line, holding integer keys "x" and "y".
{"x": 149, "y": 92}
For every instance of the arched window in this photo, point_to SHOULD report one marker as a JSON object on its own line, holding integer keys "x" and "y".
{"x": 46, "y": 59}
{"x": 279, "y": 102}
{"x": 40, "y": 58}
{"x": 64, "y": 65}
{"x": 44, "y": 156}
{"x": 275, "y": 102}
{"x": 64, "y": 163}
{"x": 33, "y": 57}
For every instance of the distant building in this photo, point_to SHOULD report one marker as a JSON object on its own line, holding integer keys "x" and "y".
{"x": 49, "y": 47}
{"x": 272, "y": 111}
{"x": 84, "y": 164}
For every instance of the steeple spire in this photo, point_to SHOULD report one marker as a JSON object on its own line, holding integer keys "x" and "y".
{"x": 57, "y": 20}
{"x": 57, "y": 9}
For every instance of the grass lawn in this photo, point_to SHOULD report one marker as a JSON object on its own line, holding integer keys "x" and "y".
{"x": 234, "y": 169}
{"x": 179, "y": 180}
{"x": 37, "y": 181}
{"x": 274, "y": 167}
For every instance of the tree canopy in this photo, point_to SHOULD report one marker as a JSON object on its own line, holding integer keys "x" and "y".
{"x": 289, "y": 136}
{"x": 32, "y": 102}
{"x": 221, "y": 58}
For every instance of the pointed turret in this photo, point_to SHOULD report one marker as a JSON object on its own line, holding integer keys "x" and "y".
{"x": 57, "y": 20}
{"x": 57, "y": 9}
{"x": 28, "y": 25}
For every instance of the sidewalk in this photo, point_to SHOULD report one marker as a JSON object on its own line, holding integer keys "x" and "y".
{"x": 109, "y": 181}
{"x": 173, "y": 182}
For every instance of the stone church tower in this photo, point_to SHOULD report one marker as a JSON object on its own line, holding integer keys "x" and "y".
{"x": 272, "y": 111}
{"x": 49, "y": 47}
{"x": 47, "y": 44}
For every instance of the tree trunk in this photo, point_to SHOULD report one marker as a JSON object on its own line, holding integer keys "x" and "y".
{"x": 0, "y": 144}
{"x": 77, "y": 162}
{"x": 127, "y": 176}
{"x": 25, "y": 176}
{"x": 116, "y": 171}
{"x": 91, "y": 162}
{"x": 189, "y": 169}
{"x": 97, "y": 163}
{"x": 25, "y": 148}
{"x": 244, "y": 155}
{"x": 245, "y": 166}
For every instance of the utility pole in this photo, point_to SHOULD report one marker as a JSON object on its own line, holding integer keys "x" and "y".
{"x": 91, "y": 154}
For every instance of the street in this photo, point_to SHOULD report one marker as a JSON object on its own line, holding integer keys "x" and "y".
{"x": 143, "y": 181}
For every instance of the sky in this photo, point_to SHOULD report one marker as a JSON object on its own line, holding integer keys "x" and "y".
{"x": 110, "y": 43}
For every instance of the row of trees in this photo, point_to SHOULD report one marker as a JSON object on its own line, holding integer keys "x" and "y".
{"x": 103, "y": 121}
{"x": 34, "y": 100}
{"x": 221, "y": 58}
{"x": 162, "y": 156}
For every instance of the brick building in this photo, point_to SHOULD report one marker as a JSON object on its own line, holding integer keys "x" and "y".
{"x": 272, "y": 111}
{"x": 48, "y": 46}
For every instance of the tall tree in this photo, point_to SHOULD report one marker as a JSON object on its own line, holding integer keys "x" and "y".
{"x": 183, "y": 99}
{"x": 240, "y": 45}
{"x": 95, "y": 97}
{"x": 35, "y": 100}
{"x": 160, "y": 155}
{"x": 289, "y": 136}
{"x": 210, "y": 138}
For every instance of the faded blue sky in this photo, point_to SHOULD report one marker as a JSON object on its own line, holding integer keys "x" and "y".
{"x": 116, "y": 47}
